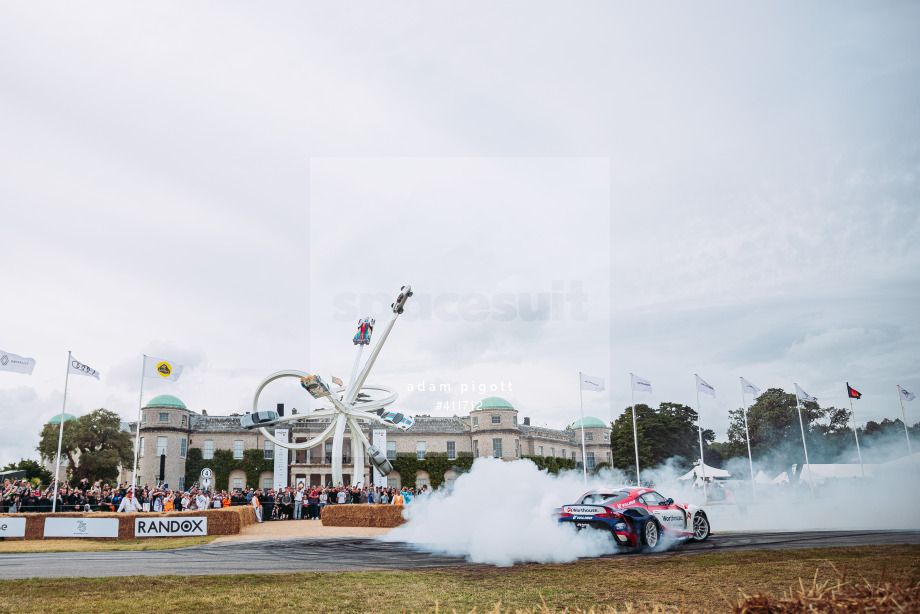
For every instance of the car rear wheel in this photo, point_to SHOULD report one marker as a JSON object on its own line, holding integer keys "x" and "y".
{"x": 700, "y": 527}
{"x": 650, "y": 534}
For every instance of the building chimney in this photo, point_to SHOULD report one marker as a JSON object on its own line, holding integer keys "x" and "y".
{"x": 526, "y": 421}
{"x": 281, "y": 409}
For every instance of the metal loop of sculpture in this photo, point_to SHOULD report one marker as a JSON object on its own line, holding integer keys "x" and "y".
{"x": 345, "y": 404}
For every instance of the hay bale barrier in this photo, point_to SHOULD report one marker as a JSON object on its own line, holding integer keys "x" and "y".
{"x": 876, "y": 597}
{"x": 224, "y": 521}
{"x": 362, "y": 515}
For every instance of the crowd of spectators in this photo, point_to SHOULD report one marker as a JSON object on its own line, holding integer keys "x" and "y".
{"x": 292, "y": 503}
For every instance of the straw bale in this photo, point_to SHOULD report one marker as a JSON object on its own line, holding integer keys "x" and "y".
{"x": 858, "y": 598}
{"x": 362, "y": 515}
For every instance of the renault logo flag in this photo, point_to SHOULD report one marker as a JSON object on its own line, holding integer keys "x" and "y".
{"x": 161, "y": 369}
{"x": 15, "y": 363}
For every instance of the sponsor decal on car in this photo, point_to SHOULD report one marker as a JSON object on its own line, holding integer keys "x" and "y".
{"x": 583, "y": 509}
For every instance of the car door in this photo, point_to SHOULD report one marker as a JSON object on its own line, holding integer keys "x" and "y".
{"x": 669, "y": 515}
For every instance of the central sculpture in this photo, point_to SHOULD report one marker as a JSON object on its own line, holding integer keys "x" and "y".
{"x": 347, "y": 405}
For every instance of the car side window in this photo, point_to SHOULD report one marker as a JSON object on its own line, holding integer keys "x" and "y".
{"x": 652, "y": 498}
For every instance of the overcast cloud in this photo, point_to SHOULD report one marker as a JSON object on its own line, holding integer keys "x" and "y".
{"x": 722, "y": 189}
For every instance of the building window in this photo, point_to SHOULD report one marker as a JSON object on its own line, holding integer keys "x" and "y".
{"x": 608, "y": 458}
{"x": 328, "y": 453}
{"x": 475, "y": 448}
{"x": 391, "y": 450}
{"x": 606, "y": 436}
{"x": 208, "y": 450}
{"x": 589, "y": 436}
{"x": 238, "y": 448}
{"x": 237, "y": 483}
{"x": 268, "y": 452}
{"x": 573, "y": 455}
{"x": 421, "y": 481}
{"x": 391, "y": 482}
{"x": 161, "y": 446}
{"x": 475, "y": 420}
{"x": 590, "y": 461}
{"x": 164, "y": 416}
{"x": 144, "y": 418}
{"x": 181, "y": 482}
{"x": 496, "y": 418}
{"x": 451, "y": 450}
{"x": 552, "y": 451}
{"x": 140, "y": 450}
{"x": 517, "y": 448}
{"x": 268, "y": 483}
{"x": 497, "y": 447}
{"x": 514, "y": 420}
{"x": 420, "y": 450}
{"x": 183, "y": 447}
{"x": 184, "y": 420}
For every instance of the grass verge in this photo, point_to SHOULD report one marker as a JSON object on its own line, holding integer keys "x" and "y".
{"x": 84, "y": 545}
{"x": 690, "y": 582}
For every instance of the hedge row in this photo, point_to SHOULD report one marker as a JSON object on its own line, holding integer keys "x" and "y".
{"x": 436, "y": 464}
{"x": 224, "y": 521}
{"x": 223, "y": 463}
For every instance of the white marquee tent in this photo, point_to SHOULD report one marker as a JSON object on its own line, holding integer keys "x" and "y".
{"x": 711, "y": 472}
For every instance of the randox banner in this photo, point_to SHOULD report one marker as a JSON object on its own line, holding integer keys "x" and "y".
{"x": 12, "y": 527}
{"x": 81, "y": 527}
{"x": 175, "y": 527}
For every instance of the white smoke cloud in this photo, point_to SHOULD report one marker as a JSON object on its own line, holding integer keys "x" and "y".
{"x": 502, "y": 513}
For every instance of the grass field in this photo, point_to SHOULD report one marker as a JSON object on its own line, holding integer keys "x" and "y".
{"x": 85, "y": 545}
{"x": 695, "y": 582}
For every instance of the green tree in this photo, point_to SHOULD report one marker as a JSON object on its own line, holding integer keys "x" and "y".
{"x": 776, "y": 436}
{"x": 94, "y": 446}
{"x": 662, "y": 433}
{"x": 33, "y": 470}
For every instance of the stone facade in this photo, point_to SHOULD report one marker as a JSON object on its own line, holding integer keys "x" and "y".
{"x": 493, "y": 428}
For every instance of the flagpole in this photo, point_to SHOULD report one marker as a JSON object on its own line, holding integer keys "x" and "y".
{"x": 57, "y": 469}
{"x": 858, "y": 453}
{"x": 584, "y": 454}
{"x": 137, "y": 436}
{"x": 699, "y": 425}
{"x": 910, "y": 450}
{"x": 747, "y": 436}
{"x": 802, "y": 427}
{"x": 632, "y": 396}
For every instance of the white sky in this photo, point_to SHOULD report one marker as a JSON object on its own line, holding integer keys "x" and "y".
{"x": 719, "y": 189}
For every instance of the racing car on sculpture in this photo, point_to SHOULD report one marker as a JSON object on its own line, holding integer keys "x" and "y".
{"x": 637, "y": 517}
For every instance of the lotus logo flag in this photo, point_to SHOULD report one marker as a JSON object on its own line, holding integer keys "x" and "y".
{"x": 705, "y": 388}
{"x": 78, "y": 367}
{"x": 160, "y": 368}
{"x": 15, "y": 363}
{"x": 749, "y": 388}
{"x": 803, "y": 396}
{"x": 592, "y": 383}
{"x": 640, "y": 384}
{"x": 907, "y": 396}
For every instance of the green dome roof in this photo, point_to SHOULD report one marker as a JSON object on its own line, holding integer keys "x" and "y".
{"x": 493, "y": 403}
{"x": 166, "y": 400}
{"x": 590, "y": 423}
{"x": 57, "y": 418}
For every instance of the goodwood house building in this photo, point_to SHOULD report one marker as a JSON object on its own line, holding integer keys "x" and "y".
{"x": 169, "y": 430}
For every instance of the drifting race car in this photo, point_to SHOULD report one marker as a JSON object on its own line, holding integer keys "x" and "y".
{"x": 637, "y": 517}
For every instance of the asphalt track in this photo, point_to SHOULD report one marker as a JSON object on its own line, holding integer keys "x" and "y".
{"x": 354, "y": 554}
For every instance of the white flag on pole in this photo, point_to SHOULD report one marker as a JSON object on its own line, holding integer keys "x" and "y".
{"x": 15, "y": 363}
{"x": 705, "y": 388}
{"x": 640, "y": 384}
{"x": 907, "y": 396}
{"x": 161, "y": 369}
{"x": 592, "y": 383}
{"x": 803, "y": 396}
{"x": 749, "y": 388}
{"x": 79, "y": 368}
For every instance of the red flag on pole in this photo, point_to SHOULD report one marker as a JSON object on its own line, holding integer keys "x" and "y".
{"x": 853, "y": 394}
